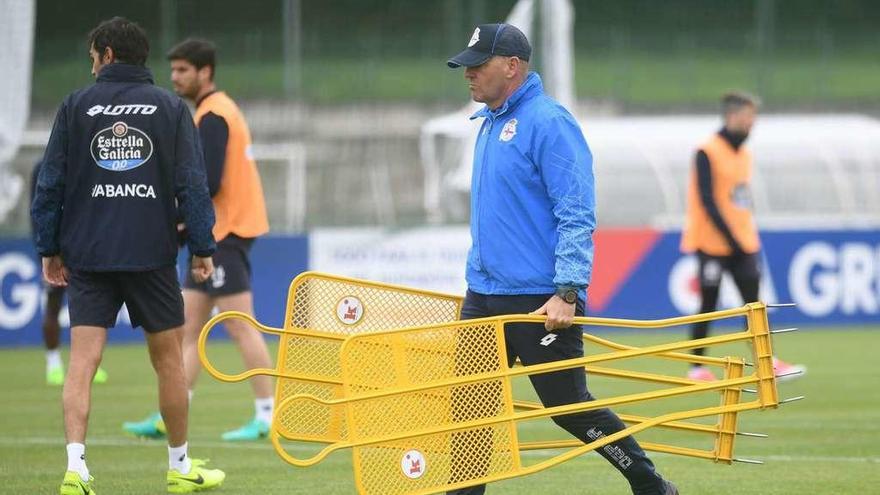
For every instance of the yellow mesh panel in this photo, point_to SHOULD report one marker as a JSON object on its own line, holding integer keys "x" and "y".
{"x": 315, "y": 299}
{"x": 305, "y": 420}
{"x": 373, "y": 363}
{"x": 310, "y": 359}
{"x": 383, "y": 469}
{"x": 313, "y": 308}
{"x": 420, "y": 356}
{"x": 311, "y": 356}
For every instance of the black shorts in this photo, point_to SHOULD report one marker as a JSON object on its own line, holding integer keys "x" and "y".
{"x": 232, "y": 269}
{"x": 746, "y": 266}
{"x": 152, "y": 297}
{"x": 53, "y": 292}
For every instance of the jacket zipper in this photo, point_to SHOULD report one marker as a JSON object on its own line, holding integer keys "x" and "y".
{"x": 485, "y": 135}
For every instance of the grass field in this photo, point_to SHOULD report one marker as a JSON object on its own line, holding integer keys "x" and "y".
{"x": 827, "y": 444}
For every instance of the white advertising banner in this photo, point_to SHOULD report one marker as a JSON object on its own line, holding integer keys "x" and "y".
{"x": 430, "y": 258}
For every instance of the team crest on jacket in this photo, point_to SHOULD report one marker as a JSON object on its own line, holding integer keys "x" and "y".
{"x": 121, "y": 147}
{"x": 508, "y": 131}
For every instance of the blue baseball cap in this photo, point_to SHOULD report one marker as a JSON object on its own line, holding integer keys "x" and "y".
{"x": 489, "y": 40}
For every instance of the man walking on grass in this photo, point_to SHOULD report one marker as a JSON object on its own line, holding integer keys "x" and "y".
{"x": 122, "y": 158}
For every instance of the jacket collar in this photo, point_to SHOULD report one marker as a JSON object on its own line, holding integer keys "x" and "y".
{"x": 530, "y": 88}
{"x": 119, "y": 72}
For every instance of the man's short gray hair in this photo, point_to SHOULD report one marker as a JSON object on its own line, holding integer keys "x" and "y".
{"x": 734, "y": 101}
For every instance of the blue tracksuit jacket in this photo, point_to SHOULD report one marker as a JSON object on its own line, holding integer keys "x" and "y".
{"x": 532, "y": 198}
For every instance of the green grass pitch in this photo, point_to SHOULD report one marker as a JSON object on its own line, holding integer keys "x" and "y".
{"x": 825, "y": 444}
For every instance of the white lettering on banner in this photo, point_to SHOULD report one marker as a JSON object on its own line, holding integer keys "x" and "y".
{"x": 823, "y": 278}
{"x": 21, "y": 272}
{"x": 431, "y": 258}
{"x": 858, "y": 272}
{"x": 684, "y": 287}
{"x": 25, "y": 294}
{"x": 821, "y": 301}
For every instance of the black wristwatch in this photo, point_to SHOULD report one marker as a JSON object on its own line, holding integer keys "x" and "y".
{"x": 567, "y": 294}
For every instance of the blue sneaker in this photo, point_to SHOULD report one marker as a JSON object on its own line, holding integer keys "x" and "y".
{"x": 254, "y": 429}
{"x": 151, "y": 427}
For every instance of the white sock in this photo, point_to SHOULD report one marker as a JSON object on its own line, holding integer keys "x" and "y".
{"x": 178, "y": 459}
{"x": 53, "y": 359}
{"x": 264, "y": 408}
{"x": 190, "y": 395}
{"x": 76, "y": 460}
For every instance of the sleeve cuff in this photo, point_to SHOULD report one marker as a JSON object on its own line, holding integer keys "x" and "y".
{"x": 203, "y": 253}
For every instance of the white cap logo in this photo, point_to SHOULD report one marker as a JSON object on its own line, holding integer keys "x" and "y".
{"x": 413, "y": 464}
{"x": 475, "y": 38}
{"x": 349, "y": 310}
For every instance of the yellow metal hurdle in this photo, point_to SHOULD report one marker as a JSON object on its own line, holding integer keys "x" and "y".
{"x": 437, "y": 399}
{"x": 442, "y": 395}
{"x": 322, "y": 310}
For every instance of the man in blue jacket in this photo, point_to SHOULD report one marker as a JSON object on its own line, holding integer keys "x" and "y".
{"x": 532, "y": 221}
{"x": 123, "y": 156}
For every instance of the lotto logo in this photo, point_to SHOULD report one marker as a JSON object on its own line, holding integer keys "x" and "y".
{"x": 548, "y": 339}
{"x": 121, "y": 110}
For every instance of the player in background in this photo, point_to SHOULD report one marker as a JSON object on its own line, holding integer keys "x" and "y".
{"x": 237, "y": 193}
{"x": 720, "y": 226}
{"x": 54, "y": 299}
{"x": 122, "y": 160}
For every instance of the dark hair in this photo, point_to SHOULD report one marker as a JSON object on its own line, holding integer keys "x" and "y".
{"x": 736, "y": 100}
{"x": 199, "y": 52}
{"x": 128, "y": 40}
